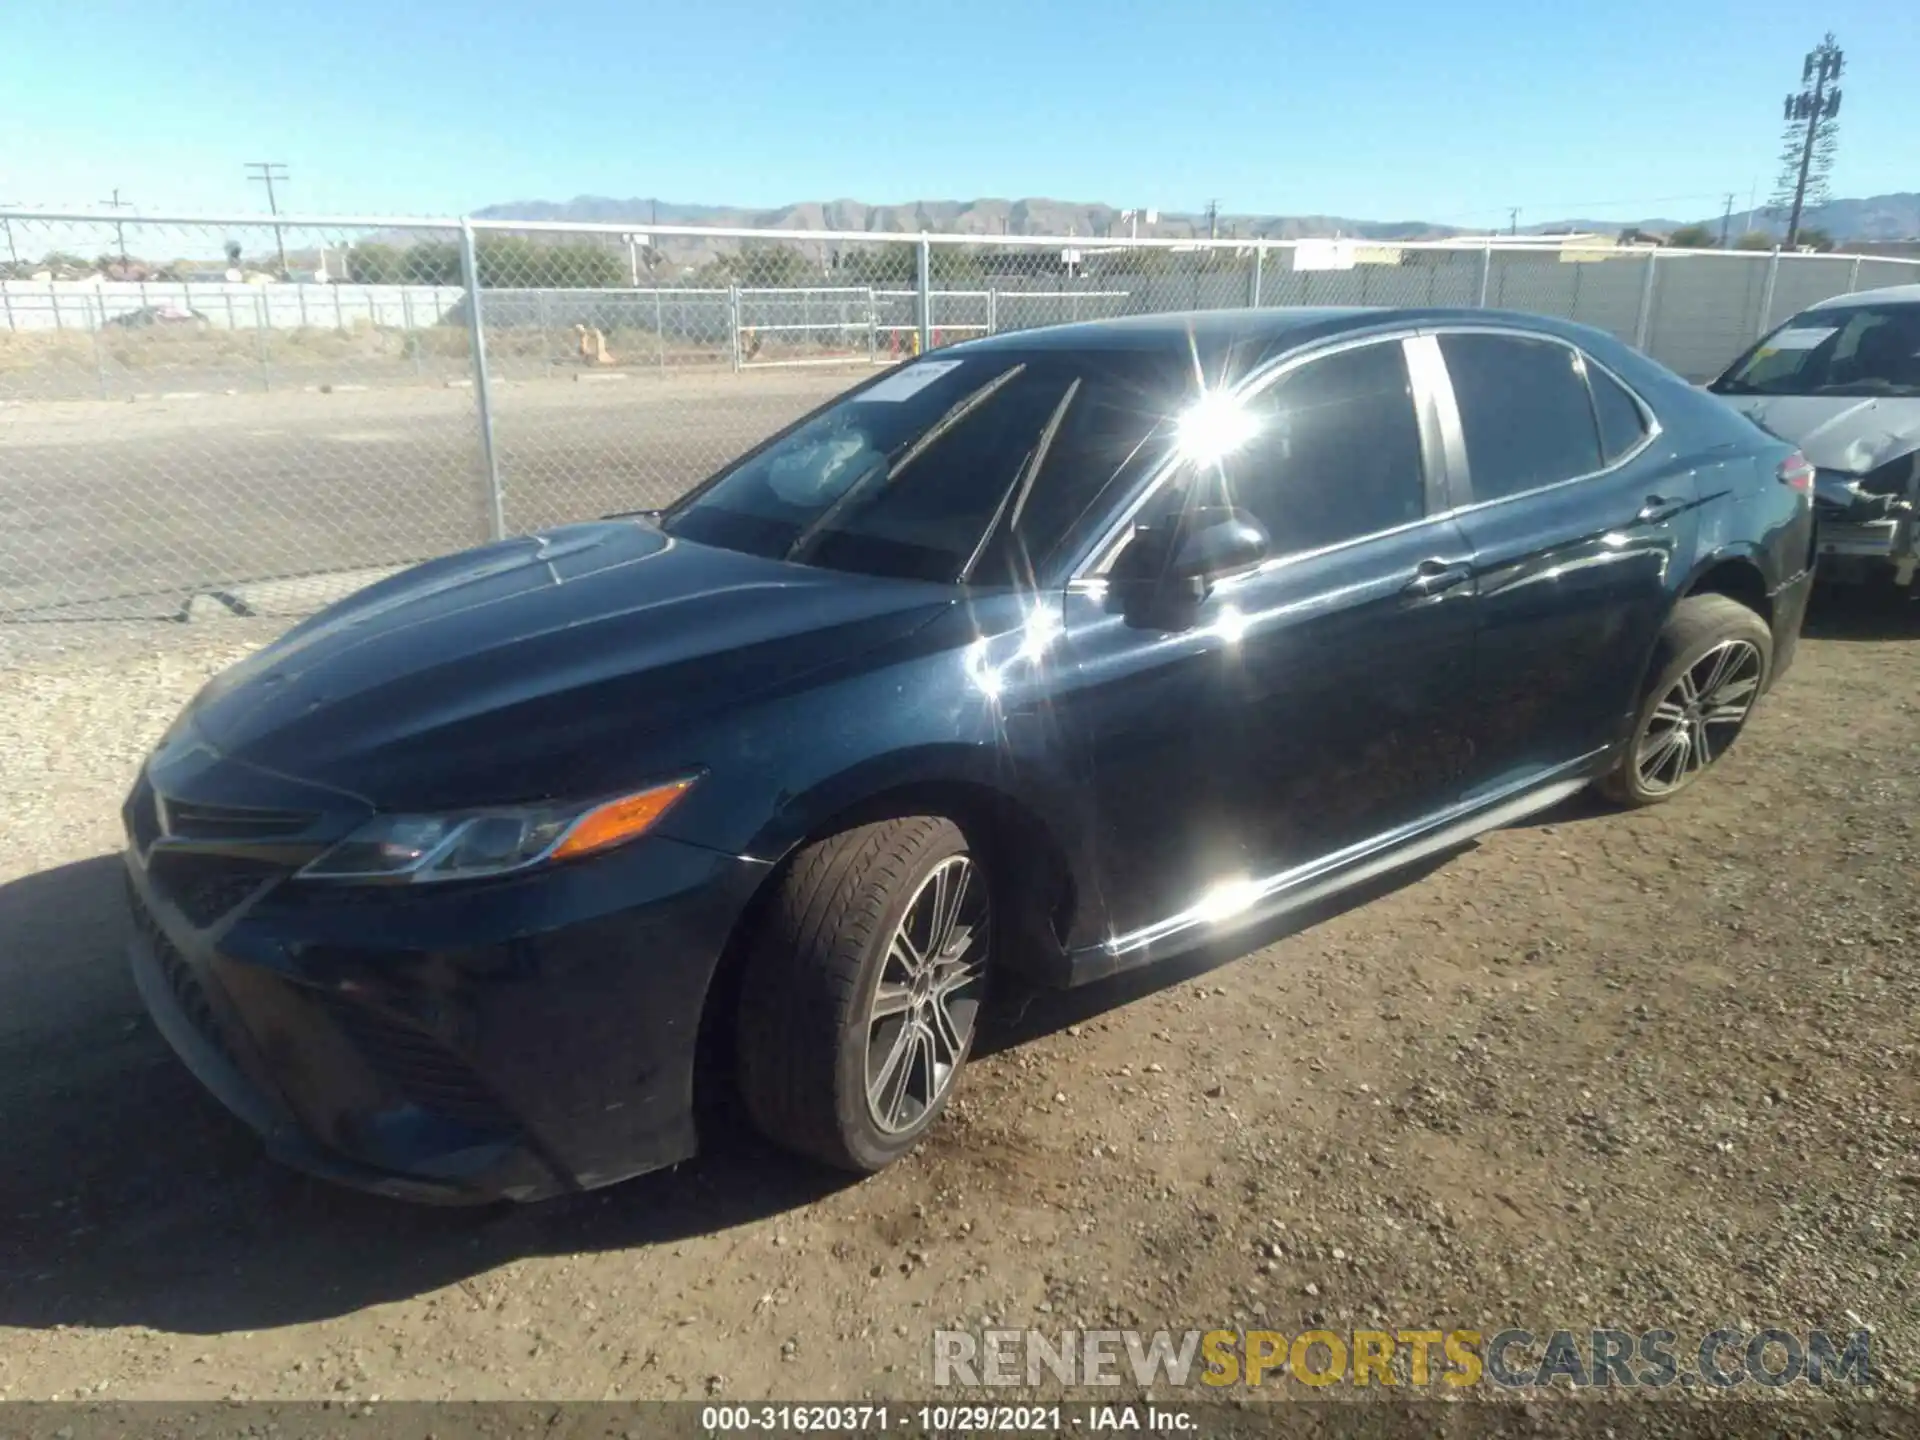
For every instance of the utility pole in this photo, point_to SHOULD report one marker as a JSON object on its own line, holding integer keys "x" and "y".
{"x": 1726, "y": 221}
{"x": 119, "y": 229}
{"x": 1809, "y": 116}
{"x": 13, "y": 254}
{"x": 266, "y": 172}
{"x": 1213, "y": 219}
{"x": 1513, "y": 220}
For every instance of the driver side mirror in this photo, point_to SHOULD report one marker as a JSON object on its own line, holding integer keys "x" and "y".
{"x": 1176, "y": 562}
{"x": 1218, "y": 541}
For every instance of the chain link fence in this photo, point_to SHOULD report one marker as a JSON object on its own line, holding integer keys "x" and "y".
{"x": 258, "y": 416}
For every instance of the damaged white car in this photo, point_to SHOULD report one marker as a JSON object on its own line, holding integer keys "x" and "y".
{"x": 1841, "y": 380}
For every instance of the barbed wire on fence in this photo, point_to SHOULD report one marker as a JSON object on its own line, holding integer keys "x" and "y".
{"x": 401, "y": 387}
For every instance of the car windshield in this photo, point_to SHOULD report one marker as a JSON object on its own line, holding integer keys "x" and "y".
{"x": 1835, "y": 350}
{"x": 969, "y": 466}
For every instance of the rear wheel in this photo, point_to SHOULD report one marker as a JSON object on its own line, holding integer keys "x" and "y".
{"x": 1709, "y": 667}
{"x": 862, "y": 991}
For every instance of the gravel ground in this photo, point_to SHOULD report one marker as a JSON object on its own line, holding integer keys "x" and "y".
{"x": 1637, "y": 1070}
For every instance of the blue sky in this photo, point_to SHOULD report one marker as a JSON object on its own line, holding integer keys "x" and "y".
{"x": 1445, "y": 110}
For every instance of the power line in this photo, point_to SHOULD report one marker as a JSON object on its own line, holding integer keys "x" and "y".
{"x": 266, "y": 173}
{"x": 1569, "y": 207}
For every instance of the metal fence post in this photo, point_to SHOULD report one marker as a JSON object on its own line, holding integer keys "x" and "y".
{"x": 482, "y": 389}
{"x": 406, "y": 323}
{"x": 262, "y": 322}
{"x": 733, "y": 324}
{"x": 659, "y": 327}
{"x": 97, "y": 323}
{"x": 6, "y": 302}
{"x": 993, "y": 309}
{"x": 1766, "y": 296}
{"x": 1643, "y": 325}
{"x": 1259, "y": 261}
{"x": 1853, "y": 275}
{"x": 1486, "y": 271}
{"x": 873, "y": 329}
{"x": 924, "y": 288}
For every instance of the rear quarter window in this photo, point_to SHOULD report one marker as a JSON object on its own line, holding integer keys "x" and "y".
{"x": 1622, "y": 425}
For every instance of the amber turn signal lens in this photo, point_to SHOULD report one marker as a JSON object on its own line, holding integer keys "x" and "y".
{"x": 620, "y": 820}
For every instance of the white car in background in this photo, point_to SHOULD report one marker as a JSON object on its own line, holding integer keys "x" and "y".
{"x": 1841, "y": 380}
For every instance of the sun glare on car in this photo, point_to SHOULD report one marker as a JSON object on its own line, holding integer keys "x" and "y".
{"x": 1213, "y": 427}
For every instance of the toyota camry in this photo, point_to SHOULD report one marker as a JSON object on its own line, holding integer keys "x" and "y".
{"x": 1031, "y": 660}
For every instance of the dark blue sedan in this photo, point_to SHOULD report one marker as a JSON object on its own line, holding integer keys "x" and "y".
{"x": 1037, "y": 658}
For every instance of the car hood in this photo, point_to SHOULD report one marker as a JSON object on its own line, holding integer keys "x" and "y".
{"x": 1852, "y": 434}
{"x": 530, "y": 667}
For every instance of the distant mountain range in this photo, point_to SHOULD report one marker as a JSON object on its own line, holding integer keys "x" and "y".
{"x": 1878, "y": 217}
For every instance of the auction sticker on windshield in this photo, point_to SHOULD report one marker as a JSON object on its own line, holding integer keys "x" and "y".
{"x": 909, "y": 382}
{"x": 1797, "y": 339}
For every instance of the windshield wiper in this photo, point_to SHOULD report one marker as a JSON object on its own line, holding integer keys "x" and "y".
{"x": 1021, "y": 486}
{"x": 890, "y": 469}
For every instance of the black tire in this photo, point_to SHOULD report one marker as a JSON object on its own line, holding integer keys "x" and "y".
{"x": 1700, "y": 626}
{"x": 808, "y": 1037}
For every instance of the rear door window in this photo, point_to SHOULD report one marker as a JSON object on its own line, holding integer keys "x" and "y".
{"x": 1525, "y": 411}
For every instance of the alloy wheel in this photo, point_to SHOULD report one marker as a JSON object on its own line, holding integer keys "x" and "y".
{"x": 927, "y": 999}
{"x": 1699, "y": 716}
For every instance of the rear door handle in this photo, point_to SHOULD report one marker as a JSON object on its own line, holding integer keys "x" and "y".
{"x": 1657, "y": 510}
{"x": 1431, "y": 577}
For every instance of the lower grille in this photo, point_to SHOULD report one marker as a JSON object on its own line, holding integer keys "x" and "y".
{"x": 181, "y": 981}
{"x": 206, "y": 887}
{"x": 418, "y": 1068}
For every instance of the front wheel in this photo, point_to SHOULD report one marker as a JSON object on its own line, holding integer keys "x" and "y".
{"x": 862, "y": 991}
{"x": 1709, "y": 667}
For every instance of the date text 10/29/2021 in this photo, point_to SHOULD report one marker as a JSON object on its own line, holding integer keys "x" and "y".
{"x": 962, "y": 1419}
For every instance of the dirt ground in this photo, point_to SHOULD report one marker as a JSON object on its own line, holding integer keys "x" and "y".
{"x": 1653, "y": 1069}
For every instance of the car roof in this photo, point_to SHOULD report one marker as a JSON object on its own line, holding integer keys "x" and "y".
{"x": 1235, "y": 340}
{"x": 1886, "y": 295}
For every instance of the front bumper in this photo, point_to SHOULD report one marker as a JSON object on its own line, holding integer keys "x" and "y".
{"x": 1852, "y": 548}
{"x": 1862, "y": 533}
{"x": 511, "y": 1040}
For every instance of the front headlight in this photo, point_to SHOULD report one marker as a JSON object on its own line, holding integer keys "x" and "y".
{"x": 478, "y": 843}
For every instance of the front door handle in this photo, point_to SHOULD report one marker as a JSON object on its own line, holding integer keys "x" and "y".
{"x": 1431, "y": 577}
{"x": 1658, "y": 510}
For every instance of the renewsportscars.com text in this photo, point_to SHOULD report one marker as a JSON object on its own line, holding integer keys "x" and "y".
{"x": 1417, "y": 1358}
